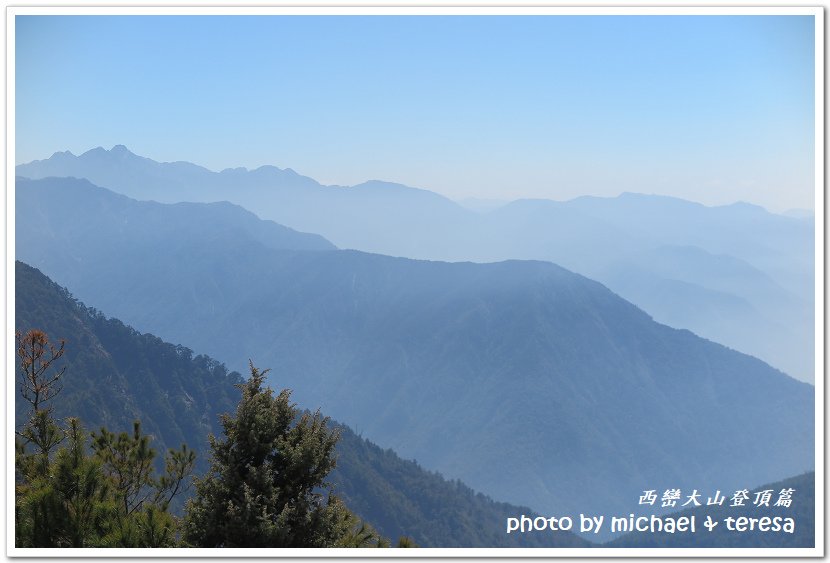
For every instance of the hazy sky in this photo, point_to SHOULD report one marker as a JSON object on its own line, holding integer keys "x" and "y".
{"x": 708, "y": 108}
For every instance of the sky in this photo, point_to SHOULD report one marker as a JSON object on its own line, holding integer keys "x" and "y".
{"x": 714, "y": 109}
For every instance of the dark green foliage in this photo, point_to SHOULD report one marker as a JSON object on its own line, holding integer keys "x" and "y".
{"x": 128, "y": 463}
{"x": 42, "y": 435}
{"x": 80, "y": 500}
{"x": 60, "y": 495}
{"x": 66, "y": 503}
{"x": 151, "y": 526}
{"x": 262, "y": 488}
{"x": 405, "y": 541}
{"x": 802, "y": 510}
{"x": 178, "y": 465}
{"x": 65, "y": 497}
{"x": 361, "y": 534}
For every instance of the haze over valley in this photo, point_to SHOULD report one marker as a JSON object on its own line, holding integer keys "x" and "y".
{"x": 736, "y": 274}
{"x": 477, "y": 370}
{"x": 409, "y": 279}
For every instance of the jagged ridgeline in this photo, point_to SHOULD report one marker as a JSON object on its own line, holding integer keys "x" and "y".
{"x": 734, "y": 274}
{"x": 116, "y": 375}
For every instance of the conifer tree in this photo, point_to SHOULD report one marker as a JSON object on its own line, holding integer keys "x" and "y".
{"x": 141, "y": 519}
{"x": 361, "y": 534}
{"x": 65, "y": 497}
{"x": 266, "y": 486}
{"x": 66, "y": 505}
{"x": 406, "y": 541}
{"x": 39, "y": 382}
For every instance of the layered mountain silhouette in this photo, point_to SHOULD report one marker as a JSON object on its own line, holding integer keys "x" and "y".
{"x": 529, "y": 382}
{"x": 116, "y": 375}
{"x": 735, "y": 274}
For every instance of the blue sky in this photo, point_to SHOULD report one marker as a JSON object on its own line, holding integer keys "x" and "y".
{"x": 709, "y": 108}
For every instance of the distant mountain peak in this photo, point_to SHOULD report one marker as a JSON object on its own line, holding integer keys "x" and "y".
{"x": 62, "y": 154}
{"x": 270, "y": 168}
{"x": 657, "y": 197}
{"x": 746, "y": 206}
{"x": 96, "y": 151}
{"x": 119, "y": 151}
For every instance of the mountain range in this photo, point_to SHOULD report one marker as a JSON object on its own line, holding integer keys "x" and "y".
{"x": 115, "y": 375}
{"x": 734, "y": 274}
{"x": 529, "y": 382}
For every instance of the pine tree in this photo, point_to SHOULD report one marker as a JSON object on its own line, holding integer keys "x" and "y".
{"x": 40, "y": 381}
{"x": 126, "y": 461}
{"x": 406, "y": 541}
{"x": 361, "y": 534}
{"x": 266, "y": 484}
{"x": 69, "y": 504}
{"x": 65, "y": 497}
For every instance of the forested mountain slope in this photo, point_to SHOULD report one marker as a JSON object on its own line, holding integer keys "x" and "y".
{"x": 116, "y": 375}
{"x": 531, "y": 383}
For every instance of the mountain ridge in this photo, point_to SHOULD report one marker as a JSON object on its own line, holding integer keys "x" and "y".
{"x": 404, "y": 349}
{"x": 120, "y": 149}
{"x": 602, "y": 238}
{"x": 116, "y": 375}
